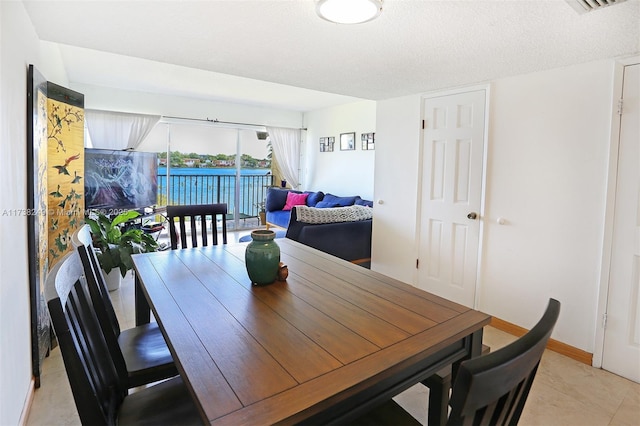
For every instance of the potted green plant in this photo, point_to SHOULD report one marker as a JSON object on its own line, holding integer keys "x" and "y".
{"x": 116, "y": 244}
{"x": 262, "y": 213}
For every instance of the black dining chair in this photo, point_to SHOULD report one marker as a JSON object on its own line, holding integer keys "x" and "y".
{"x": 98, "y": 383}
{"x": 196, "y": 213}
{"x": 491, "y": 389}
{"x": 144, "y": 351}
{"x": 439, "y": 385}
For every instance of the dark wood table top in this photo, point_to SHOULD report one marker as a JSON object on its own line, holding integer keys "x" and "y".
{"x": 329, "y": 338}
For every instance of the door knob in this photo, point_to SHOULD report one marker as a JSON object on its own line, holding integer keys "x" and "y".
{"x": 472, "y": 216}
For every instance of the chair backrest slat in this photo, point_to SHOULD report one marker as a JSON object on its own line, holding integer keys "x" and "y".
{"x": 492, "y": 389}
{"x": 196, "y": 213}
{"x": 82, "y": 241}
{"x": 101, "y": 301}
{"x": 97, "y": 385}
{"x": 203, "y": 226}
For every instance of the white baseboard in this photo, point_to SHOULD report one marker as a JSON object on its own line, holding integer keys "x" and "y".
{"x": 26, "y": 409}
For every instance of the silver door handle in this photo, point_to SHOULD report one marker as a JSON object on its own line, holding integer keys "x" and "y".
{"x": 472, "y": 216}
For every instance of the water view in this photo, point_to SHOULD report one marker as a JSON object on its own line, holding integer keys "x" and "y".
{"x": 204, "y": 185}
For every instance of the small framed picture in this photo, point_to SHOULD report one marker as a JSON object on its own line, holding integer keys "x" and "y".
{"x": 326, "y": 144}
{"x": 368, "y": 142}
{"x": 347, "y": 141}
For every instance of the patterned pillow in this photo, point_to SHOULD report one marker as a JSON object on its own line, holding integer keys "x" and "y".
{"x": 334, "y": 214}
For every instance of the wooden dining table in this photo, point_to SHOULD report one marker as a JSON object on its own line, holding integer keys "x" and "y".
{"x": 328, "y": 344}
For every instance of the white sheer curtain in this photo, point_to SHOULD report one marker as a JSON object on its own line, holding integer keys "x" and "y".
{"x": 118, "y": 130}
{"x": 286, "y": 148}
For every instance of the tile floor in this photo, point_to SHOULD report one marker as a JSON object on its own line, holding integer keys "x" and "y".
{"x": 565, "y": 392}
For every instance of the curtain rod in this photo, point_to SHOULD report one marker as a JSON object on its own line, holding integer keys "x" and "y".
{"x": 216, "y": 121}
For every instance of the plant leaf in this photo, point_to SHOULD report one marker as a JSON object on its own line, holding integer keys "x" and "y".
{"x": 124, "y": 217}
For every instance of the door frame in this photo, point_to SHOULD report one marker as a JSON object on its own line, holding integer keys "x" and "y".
{"x": 612, "y": 177}
{"x": 418, "y": 226}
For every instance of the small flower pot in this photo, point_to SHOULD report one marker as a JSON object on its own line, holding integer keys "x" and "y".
{"x": 113, "y": 279}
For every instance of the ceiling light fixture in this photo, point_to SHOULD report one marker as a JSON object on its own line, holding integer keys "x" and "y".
{"x": 348, "y": 11}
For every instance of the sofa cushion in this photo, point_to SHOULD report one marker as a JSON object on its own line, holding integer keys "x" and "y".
{"x": 361, "y": 202}
{"x": 314, "y": 198}
{"x": 279, "y": 218}
{"x": 294, "y": 199}
{"x": 326, "y": 205}
{"x": 331, "y": 200}
{"x": 347, "y": 240}
{"x": 276, "y": 198}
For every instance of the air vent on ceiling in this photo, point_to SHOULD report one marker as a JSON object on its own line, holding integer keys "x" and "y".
{"x": 582, "y": 6}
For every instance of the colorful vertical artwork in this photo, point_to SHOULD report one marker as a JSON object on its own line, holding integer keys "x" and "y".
{"x": 55, "y": 192}
{"x": 65, "y": 172}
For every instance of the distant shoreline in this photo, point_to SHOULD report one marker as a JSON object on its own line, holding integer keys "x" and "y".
{"x": 210, "y": 171}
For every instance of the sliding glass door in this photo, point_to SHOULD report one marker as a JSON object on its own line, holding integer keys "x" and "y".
{"x": 202, "y": 164}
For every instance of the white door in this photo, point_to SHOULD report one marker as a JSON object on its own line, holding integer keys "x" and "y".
{"x": 621, "y": 353}
{"x": 452, "y": 159}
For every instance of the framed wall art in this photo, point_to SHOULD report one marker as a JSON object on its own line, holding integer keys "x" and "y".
{"x": 347, "y": 141}
{"x": 368, "y": 142}
{"x": 326, "y": 144}
{"x": 55, "y": 192}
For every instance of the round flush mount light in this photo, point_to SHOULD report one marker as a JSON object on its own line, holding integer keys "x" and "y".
{"x": 348, "y": 11}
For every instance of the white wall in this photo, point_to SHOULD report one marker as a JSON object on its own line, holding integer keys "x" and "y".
{"x": 548, "y": 157}
{"x": 19, "y": 46}
{"x": 546, "y": 174}
{"x": 341, "y": 173}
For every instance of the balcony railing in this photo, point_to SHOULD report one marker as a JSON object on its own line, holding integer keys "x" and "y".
{"x": 207, "y": 189}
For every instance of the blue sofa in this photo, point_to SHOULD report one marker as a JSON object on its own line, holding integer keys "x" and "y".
{"x": 347, "y": 240}
{"x": 277, "y": 198}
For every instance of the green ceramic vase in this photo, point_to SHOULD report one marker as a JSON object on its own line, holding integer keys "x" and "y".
{"x": 262, "y": 257}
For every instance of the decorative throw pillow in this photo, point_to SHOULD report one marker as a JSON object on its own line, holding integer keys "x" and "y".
{"x": 331, "y": 200}
{"x": 326, "y": 204}
{"x": 294, "y": 199}
{"x": 361, "y": 202}
{"x": 277, "y": 198}
{"x": 314, "y": 198}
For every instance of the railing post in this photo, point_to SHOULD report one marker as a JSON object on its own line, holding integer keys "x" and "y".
{"x": 218, "y": 188}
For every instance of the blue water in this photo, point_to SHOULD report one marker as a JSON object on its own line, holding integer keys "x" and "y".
{"x": 209, "y": 185}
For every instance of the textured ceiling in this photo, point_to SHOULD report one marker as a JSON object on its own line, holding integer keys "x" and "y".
{"x": 195, "y": 48}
